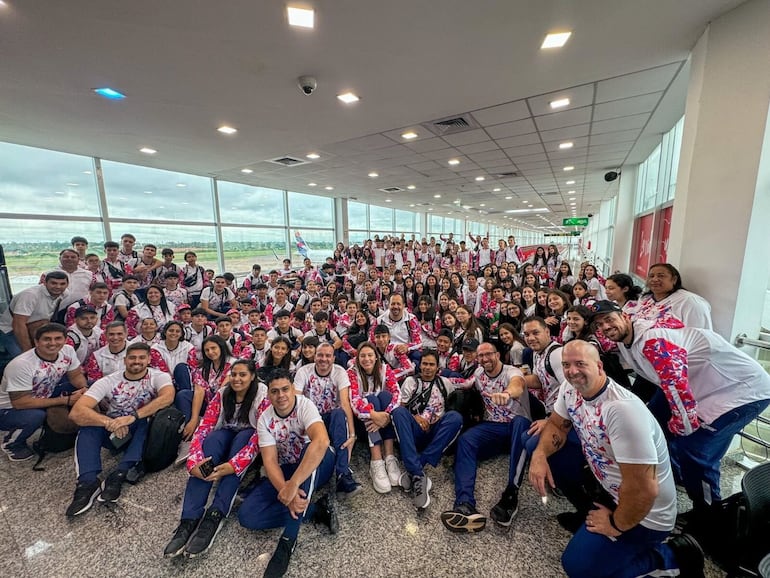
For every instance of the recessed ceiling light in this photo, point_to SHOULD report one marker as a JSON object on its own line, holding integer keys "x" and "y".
{"x": 560, "y": 103}
{"x": 348, "y": 97}
{"x": 572, "y": 204}
{"x": 496, "y": 190}
{"x": 479, "y": 178}
{"x": 412, "y": 205}
{"x": 109, "y": 93}
{"x": 374, "y": 175}
{"x": 525, "y": 202}
{"x": 508, "y": 198}
{"x": 181, "y": 185}
{"x": 387, "y": 200}
{"x": 556, "y": 40}
{"x": 224, "y": 129}
{"x": 430, "y": 209}
{"x": 482, "y": 204}
{"x": 466, "y": 207}
{"x": 566, "y": 145}
{"x": 454, "y": 161}
{"x": 301, "y": 17}
{"x": 247, "y": 171}
{"x": 147, "y": 151}
{"x": 329, "y": 188}
{"x": 569, "y": 168}
{"x": 570, "y": 182}
{"x": 411, "y": 187}
{"x": 409, "y": 135}
{"x": 570, "y": 192}
{"x": 313, "y": 156}
{"x": 312, "y": 184}
{"x": 436, "y": 196}
{"x": 540, "y": 210}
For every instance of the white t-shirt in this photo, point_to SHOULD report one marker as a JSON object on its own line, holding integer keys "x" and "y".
{"x": 436, "y": 404}
{"x": 288, "y": 434}
{"x": 321, "y": 390}
{"x": 615, "y": 428}
{"x": 124, "y": 396}
{"x": 29, "y": 372}
{"x": 35, "y": 302}
{"x": 84, "y": 345}
{"x": 691, "y": 309}
{"x": 487, "y": 385}
{"x": 593, "y": 284}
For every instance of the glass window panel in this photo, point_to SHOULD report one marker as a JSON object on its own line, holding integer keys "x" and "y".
{"x": 135, "y": 192}
{"x": 32, "y": 247}
{"x": 435, "y": 224}
{"x": 675, "y": 158}
{"x": 380, "y": 219}
{"x": 244, "y": 246}
{"x": 357, "y": 215}
{"x": 239, "y": 203}
{"x": 405, "y": 221}
{"x": 320, "y": 245}
{"x": 358, "y": 237}
{"x": 200, "y": 239}
{"x": 39, "y": 181}
{"x": 310, "y": 210}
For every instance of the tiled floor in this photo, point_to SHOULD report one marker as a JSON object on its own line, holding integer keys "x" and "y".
{"x": 380, "y": 535}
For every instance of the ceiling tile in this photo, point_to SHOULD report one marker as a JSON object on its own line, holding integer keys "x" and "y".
{"x": 564, "y": 119}
{"x": 367, "y": 143}
{"x": 578, "y": 96}
{"x": 615, "y": 137}
{"x": 566, "y": 133}
{"x": 502, "y": 113}
{"x": 443, "y": 154}
{"x": 514, "y": 128}
{"x": 426, "y": 145}
{"x": 520, "y": 140}
{"x": 488, "y": 156}
{"x": 618, "y": 124}
{"x": 467, "y": 137}
{"x": 643, "y": 82}
{"x": 627, "y": 106}
{"x": 577, "y": 144}
{"x": 520, "y": 151}
{"x": 478, "y": 147}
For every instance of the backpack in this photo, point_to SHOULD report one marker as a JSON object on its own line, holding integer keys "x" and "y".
{"x": 469, "y": 404}
{"x": 190, "y": 280}
{"x": 163, "y": 438}
{"x": 419, "y": 400}
{"x": 548, "y": 367}
{"x": 57, "y": 435}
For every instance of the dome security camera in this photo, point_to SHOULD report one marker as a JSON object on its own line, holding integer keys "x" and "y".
{"x": 307, "y": 84}
{"x": 611, "y": 176}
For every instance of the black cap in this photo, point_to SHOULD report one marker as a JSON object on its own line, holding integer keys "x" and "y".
{"x": 605, "y": 306}
{"x": 471, "y": 344}
{"x": 380, "y": 329}
{"x": 80, "y": 311}
{"x": 282, "y": 313}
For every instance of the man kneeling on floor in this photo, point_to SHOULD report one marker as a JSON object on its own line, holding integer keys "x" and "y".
{"x": 423, "y": 426}
{"x": 298, "y": 460}
{"x": 131, "y": 397}
{"x": 626, "y": 449}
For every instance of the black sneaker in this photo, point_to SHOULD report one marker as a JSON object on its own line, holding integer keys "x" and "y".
{"x": 688, "y": 554}
{"x": 571, "y": 521}
{"x": 111, "y": 487}
{"x": 326, "y": 513}
{"x": 204, "y": 536}
{"x": 463, "y": 519}
{"x": 83, "y": 499}
{"x": 279, "y": 563}
{"x": 182, "y": 534}
{"x": 347, "y": 486}
{"x": 505, "y": 510}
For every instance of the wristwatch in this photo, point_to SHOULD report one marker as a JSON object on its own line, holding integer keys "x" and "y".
{"x": 135, "y": 414}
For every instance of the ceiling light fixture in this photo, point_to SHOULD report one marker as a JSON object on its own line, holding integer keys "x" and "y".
{"x": 247, "y": 171}
{"x": 329, "y": 188}
{"x": 436, "y": 196}
{"x": 224, "y": 129}
{"x": 540, "y": 210}
{"x": 569, "y": 168}
{"x": 387, "y": 200}
{"x": 570, "y": 182}
{"x": 479, "y": 178}
{"x": 560, "y": 103}
{"x": 312, "y": 184}
{"x": 409, "y": 135}
{"x": 454, "y": 162}
{"x": 411, "y": 205}
{"x": 411, "y": 187}
{"x": 147, "y": 151}
{"x": 555, "y": 40}
{"x": 496, "y": 190}
{"x": 109, "y": 93}
{"x": 482, "y": 204}
{"x": 313, "y": 156}
{"x": 348, "y": 97}
{"x": 570, "y": 192}
{"x": 508, "y": 198}
{"x": 300, "y": 17}
{"x": 374, "y": 175}
{"x": 566, "y": 145}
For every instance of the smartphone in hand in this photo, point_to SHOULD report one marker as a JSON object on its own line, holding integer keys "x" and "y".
{"x": 206, "y": 468}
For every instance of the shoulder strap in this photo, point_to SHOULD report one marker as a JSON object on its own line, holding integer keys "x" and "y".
{"x": 77, "y": 342}
{"x": 548, "y": 366}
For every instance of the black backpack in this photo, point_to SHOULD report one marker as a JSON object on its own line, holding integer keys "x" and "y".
{"x": 163, "y": 438}
{"x": 57, "y": 435}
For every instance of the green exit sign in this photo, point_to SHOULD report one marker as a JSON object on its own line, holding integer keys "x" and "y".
{"x": 575, "y": 222}
{"x": 576, "y": 233}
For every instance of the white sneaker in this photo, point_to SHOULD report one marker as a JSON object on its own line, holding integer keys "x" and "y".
{"x": 379, "y": 476}
{"x": 394, "y": 472}
{"x": 184, "y": 453}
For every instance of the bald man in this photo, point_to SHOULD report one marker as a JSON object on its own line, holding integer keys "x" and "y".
{"x": 627, "y": 452}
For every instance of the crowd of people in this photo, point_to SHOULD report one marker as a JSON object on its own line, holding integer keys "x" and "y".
{"x": 604, "y": 393}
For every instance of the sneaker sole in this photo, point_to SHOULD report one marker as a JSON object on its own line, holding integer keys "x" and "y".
{"x": 88, "y": 506}
{"x": 101, "y": 499}
{"x": 13, "y": 458}
{"x": 206, "y": 549}
{"x": 462, "y": 524}
{"x": 175, "y": 554}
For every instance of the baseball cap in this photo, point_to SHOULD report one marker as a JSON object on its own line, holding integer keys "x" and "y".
{"x": 605, "y": 306}
{"x": 471, "y": 344}
{"x": 85, "y": 310}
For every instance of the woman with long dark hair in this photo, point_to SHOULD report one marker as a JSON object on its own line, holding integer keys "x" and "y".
{"x": 279, "y": 356}
{"x": 429, "y": 321}
{"x": 539, "y": 258}
{"x": 226, "y": 438}
{"x": 432, "y": 287}
{"x": 552, "y": 261}
{"x": 667, "y": 297}
{"x": 510, "y": 345}
{"x": 620, "y": 288}
{"x": 153, "y": 305}
{"x": 564, "y": 276}
{"x": 374, "y": 393}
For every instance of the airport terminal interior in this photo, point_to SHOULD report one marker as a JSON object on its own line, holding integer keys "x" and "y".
{"x": 294, "y": 135}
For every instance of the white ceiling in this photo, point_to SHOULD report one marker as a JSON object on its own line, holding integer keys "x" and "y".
{"x": 188, "y": 66}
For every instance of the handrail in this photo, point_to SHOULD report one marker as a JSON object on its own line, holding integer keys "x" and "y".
{"x": 743, "y": 339}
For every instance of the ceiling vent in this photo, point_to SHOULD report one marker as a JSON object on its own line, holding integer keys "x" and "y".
{"x": 288, "y": 161}
{"x": 551, "y": 193}
{"x": 391, "y": 189}
{"x": 510, "y": 175}
{"x": 452, "y": 124}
